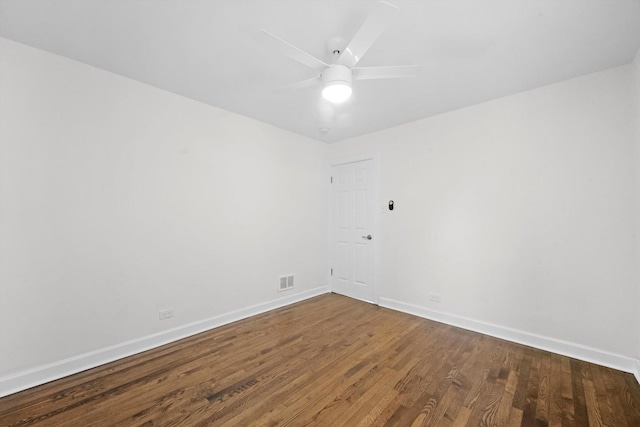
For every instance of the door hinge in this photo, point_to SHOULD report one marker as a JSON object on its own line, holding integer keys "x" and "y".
{"x": 332, "y": 180}
{"x": 332, "y": 271}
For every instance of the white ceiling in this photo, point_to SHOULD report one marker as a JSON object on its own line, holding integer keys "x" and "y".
{"x": 472, "y": 51}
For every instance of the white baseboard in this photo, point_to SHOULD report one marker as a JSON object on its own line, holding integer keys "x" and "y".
{"x": 42, "y": 374}
{"x": 577, "y": 351}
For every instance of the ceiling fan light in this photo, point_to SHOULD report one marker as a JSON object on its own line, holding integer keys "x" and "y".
{"x": 337, "y": 92}
{"x": 337, "y": 83}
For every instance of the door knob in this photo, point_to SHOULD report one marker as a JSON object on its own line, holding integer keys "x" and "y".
{"x": 368, "y": 237}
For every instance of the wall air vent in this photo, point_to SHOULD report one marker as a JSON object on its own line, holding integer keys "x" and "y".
{"x": 286, "y": 282}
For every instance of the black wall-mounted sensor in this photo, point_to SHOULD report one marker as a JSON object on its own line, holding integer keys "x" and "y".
{"x": 390, "y": 205}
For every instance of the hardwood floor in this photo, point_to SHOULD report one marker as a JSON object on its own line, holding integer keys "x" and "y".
{"x": 334, "y": 361}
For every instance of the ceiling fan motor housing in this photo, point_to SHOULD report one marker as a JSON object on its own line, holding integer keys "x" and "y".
{"x": 336, "y": 73}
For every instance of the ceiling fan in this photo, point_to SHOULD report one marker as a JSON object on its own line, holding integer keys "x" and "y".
{"x": 338, "y": 76}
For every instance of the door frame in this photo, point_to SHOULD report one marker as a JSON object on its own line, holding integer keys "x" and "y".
{"x": 376, "y": 217}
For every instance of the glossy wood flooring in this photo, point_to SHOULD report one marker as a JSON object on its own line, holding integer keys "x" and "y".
{"x": 332, "y": 361}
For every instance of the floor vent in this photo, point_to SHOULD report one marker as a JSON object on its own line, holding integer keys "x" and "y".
{"x": 286, "y": 282}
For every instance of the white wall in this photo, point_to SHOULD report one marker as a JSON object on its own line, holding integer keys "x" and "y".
{"x": 518, "y": 211}
{"x": 119, "y": 199}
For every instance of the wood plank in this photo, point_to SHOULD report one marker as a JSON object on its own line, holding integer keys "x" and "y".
{"x": 579, "y": 399}
{"x": 542, "y": 405}
{"x": 560, "y": 397}
{"x": 593, "y": 410}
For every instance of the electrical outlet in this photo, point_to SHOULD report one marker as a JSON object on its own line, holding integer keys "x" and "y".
{"x": 165, "y": 314}
{"x": 435, "y": 297}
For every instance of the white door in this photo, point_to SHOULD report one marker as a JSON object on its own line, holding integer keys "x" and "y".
{"x": 352, "y": 228}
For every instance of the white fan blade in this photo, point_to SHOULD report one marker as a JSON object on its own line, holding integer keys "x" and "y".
{"x": 393, "y": 72}
{"x": 291, "y": 51}
{"x": 300, "y": 85}
{"x": 376, "y": 23}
